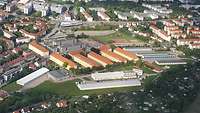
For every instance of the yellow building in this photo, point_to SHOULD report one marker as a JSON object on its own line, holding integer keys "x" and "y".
{"x": 113, "y": 56}
{"x": 100, "y": 59}
{"x": 84, "y": 61}
{"x": 128, "y": 55}
{"x": 60, "y": 60}
{"x": 39, "y": 49}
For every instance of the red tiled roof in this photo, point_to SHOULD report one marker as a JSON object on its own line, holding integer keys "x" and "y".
{"x": 86, "y": 60}
{"x": 152, "y": 66}
{"x": 86, "y": 15}
{"x": 154, "y": 27}
{"x": 129, "y": 54}
{"x": 101, "y": 58}
{"x": 63, "y": 59}
{"x": 190, "y": 39}
{"x": 104, "y": 47}
{"x": 195, "y": 44}
{"x": 104, "y": 14}
{"x": 114, "y": 55}
{"x": 195, "y": 31}
{"x": 38, "y": 46}
{"x": 75, "y": 52}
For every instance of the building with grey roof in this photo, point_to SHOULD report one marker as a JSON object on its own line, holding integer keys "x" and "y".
{"x": 28, "y": 8}
{"x": 3, "y": 2}
{"x": 139, "y": 50}
{"x": 59, "y": 75}
{"x": 10, "y": 7}
{"x": 114, "y": 75}
{"x": 34, "y": 79}
{"x": 170, "y": 62}
{"x": 45, "y": 8}
{"x": 57, "y": 8}
{"x": 108, "y": 84}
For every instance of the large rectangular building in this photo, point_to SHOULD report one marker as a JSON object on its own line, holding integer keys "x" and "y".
{"x": 128, "y": 55}
{"x": 170, "y": 62}
{"x": 153, "y": 67}
{"x": 39, "y": 49}
{"x": 103, "y": 15}
{"x": 108, "y": 84}
{"x": 113, "y": 56}
{"x": 60, "y": 60}
{"x": 188, "y": 41}
{"x": 100, "y": 59}
{"x": 34, "y": 78}
{"x": 160, "y": 33}
{"x": 84, "y": 61}
{"x": 87, "y": 16}
{"x": 114, "y": 75}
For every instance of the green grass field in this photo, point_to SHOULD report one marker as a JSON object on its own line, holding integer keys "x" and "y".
{"x": 147, "y": 70}
{"x": 149, "y": 79}
{"x": 11, "y": 87}
{"x": 97, "y": 27}
{"x": 120, "y": 35}
{"x": 69, "y": 88}
{"x": 120, "y": 68}
{"x": 58, "y": 1}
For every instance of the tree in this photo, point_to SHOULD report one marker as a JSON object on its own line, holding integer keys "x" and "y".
{"x": 37, "y": 14}
{"x": 18, "y": 34}
{"x": 30, "y": 28}
{"x": 82, "y": 35}
{"x": 139, "y": 63}
{"x": 160, "y": 25}
{"x": 3, "y": 46}
{"x": 65, "y": 64}
{"x": 94, "y": 15}
{"x": 1, "y": 33}
{"x": 54, "y": 14}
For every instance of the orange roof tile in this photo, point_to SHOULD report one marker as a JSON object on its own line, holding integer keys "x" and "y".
{"x": 101, "y": 58}
{"x": 195, "y": 44}
{"x": 195, "y": 31}
{"x": 104, "y": 47}
{"x": 190, "y": 39}
{"x": 171, "y": 27}
{"x": 63, "y": 59}
{"x": 87, "y": 15}
{"x": 164, "y": 33}
{"x": 129, "y": 54}
{"x": 114, "y": 55}
{"x": 152, "y": 66}
{"x": 75, "y": 52}
{"x": 104, "y": 14}
{"x": 86, "y": 60}
{"x": 38, "y": 46}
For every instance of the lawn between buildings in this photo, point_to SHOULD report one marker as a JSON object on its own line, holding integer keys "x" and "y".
{"x": 11, "y": 87}
{"x": 69, "y": 88}
{"x": 121, "y": 35}
{"x": 101, "y": 27}
{"x": 70, "y": 85}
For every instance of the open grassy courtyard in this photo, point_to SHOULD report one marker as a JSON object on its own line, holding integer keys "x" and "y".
{"x": 11, "y": 87}
{"x": 121, "y": 35}
{"x": 69, "y": 88}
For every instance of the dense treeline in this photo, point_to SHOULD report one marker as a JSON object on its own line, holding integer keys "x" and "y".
{"x": 172, "y": 92}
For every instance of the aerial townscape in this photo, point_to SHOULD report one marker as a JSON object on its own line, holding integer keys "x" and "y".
{"x": 99, "y": 56}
